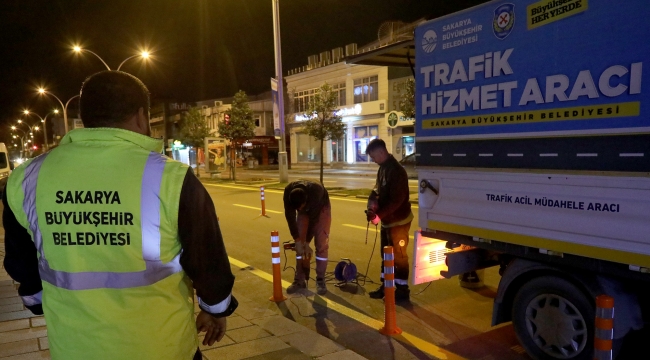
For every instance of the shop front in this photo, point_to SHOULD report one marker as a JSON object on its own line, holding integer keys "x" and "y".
{"x": 364, "y": 122}
{"x": 259, "y": 150}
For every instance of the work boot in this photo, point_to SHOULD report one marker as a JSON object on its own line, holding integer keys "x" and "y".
{"x": 321, "y": 288}
{"x": 402, "y": 293}
{"x": 377, "y": 294}
{"x": 296, "y": 286}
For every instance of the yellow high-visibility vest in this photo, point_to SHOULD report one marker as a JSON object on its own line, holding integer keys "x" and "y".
{"x": 102, "y": 210}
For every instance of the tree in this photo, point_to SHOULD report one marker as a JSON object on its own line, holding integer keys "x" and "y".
{"x": 238, "y": 124}
{"x": 194, "y": 130}
{"x": 323, "y": 122}
{"x": 407, "y": 103}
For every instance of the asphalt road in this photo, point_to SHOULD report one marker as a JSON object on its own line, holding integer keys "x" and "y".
{"x": 442, "y": 314}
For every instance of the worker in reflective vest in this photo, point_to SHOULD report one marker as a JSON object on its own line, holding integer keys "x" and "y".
{"x": 107, "y": 237}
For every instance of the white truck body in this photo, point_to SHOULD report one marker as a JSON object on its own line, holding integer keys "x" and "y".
{"x": 533, "y": 147}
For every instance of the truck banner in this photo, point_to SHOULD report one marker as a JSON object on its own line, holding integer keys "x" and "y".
{"x": 533, "y": 69}
{"x": 554, "y": 66}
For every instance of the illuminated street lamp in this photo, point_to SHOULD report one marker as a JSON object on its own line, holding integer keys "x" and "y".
{"x": 78, "y": 49}
{"x": 65, "y": 107}
{"x": 43, "y": 120}
{"x": 143, "y": 54}
{"x": 22, "y": 139}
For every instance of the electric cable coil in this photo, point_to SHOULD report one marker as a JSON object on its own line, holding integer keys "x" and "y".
{"x": 345, "y": 271}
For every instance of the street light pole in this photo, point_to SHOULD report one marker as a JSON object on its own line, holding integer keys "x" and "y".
{"x": 44, "y": 121}
{"x": 144, "y": 54}
{"x": 22, "y": 140}
{"x": 282, "y": 154}
{"x": 64, "y": 107}
{"x": 79, "y": 49}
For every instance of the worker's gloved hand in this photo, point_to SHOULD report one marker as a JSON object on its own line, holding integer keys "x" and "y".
{"x": 372, "y": 217}
{"x": 303, "y": 249}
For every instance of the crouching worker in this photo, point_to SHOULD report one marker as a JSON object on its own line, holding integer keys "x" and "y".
{"x": 309, "y": 215}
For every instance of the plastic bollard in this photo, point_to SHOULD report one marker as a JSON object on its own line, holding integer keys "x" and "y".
{"x": 604, "y": 332}
{"x": 275, "y": 260}
{"x": 390, "y": 321}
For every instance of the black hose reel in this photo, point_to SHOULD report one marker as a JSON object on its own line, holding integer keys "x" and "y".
{"x": 345, "y": 271}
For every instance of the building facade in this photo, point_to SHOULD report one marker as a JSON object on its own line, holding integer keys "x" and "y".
{"x": 368, "y": 100}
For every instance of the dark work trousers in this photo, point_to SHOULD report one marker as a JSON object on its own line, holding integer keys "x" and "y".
{"x": 398, "y": 238}
{"x": 320, "y": 232}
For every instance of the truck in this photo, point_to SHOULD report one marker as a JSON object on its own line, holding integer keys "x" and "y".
{"x": 533, "y": 146}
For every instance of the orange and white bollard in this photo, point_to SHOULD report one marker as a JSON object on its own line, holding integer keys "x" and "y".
{"x": 275, "y": 260}
{"x": 390, "y": 322}
{"x": 604, "y": 332}
{"x": 263, "y": 203}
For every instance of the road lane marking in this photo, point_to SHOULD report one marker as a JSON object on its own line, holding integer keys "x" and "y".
{"x": 420, "y": 344}
{"x": 282, "y": 192}
{"x": 376, "y": 229}
{"x": 256, "y": 208}
{"x": 246, "y": 188}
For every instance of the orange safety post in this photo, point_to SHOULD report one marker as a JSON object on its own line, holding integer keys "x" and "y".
{"x": 275, "y": 259}
{"x": 604, "y": 333}
{"x": 263, "y": 205}
{"x": 390, "y": 322}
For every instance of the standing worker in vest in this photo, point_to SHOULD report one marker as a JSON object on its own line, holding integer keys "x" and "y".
{"x": 309, "y": 215}
{"x": 107, "y": 237}
{"x": 389, "y": 203}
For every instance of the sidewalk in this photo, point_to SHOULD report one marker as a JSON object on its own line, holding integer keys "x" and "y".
{"x": 257, "y": 329}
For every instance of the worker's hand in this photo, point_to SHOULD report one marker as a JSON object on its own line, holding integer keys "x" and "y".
{"x": 303, "y": 249}
{"x": 370, "y": 215}
{"x": 214, "y": 328}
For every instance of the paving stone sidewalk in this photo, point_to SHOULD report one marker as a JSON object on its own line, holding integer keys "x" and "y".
{"x": 255, "y": 331}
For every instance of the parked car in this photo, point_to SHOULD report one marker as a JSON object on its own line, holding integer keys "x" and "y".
{"x": 408, "y": 162}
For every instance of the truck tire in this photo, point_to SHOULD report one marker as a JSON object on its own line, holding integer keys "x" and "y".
{"x": 553, "y": 319}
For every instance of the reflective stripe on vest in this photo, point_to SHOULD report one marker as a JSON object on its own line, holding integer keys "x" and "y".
{"x": 150, "y": 222}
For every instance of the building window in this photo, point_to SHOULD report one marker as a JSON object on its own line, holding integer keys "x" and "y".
{"x": 339, "y": 90}
{"x": 308, "y": 148}
{"x": 362, "y": 136}
{"x": 257, "y": 121}
{"x": 366, "y": 89}
{"x": 301, "y": 100}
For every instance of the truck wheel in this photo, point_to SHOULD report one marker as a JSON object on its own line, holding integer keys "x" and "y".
{"x": 553, "y": 319}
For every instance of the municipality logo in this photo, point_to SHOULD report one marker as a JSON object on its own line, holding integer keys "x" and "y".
{"x": 504, "y": 20}
{"x": 429, "y": 41}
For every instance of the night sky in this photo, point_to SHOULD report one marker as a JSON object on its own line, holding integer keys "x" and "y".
{"x": 201, "y": 49}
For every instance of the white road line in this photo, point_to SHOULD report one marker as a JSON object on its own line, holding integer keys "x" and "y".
{"x": 548, "y": 155}
{"x": 515, "y": 155}
{"x": 631, "y": 154}
{"x": 436, "y": 154}
{"x": 460, "y": 155}
{"x": 256, "y": 208}
{"x": 485, "y": 154}
{"x": 586, "y": 154}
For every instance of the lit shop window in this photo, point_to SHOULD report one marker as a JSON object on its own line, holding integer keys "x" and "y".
{"x": 366, "y": 89}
